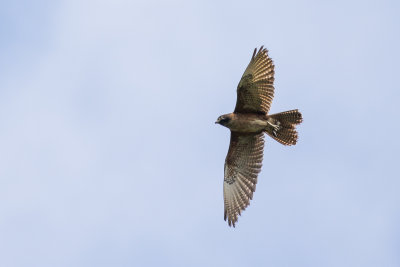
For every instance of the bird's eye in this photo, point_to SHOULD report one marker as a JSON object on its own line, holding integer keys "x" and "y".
{"x": 224, "y": 119}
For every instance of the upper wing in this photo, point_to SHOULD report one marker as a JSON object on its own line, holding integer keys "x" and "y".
{"x": 256, "y": 87}
{"x": 242, "y": 165}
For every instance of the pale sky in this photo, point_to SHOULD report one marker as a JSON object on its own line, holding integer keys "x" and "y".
{"x": 109, "y": 155}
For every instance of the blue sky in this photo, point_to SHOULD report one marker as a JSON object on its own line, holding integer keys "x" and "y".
{"x": 109, "y": 155}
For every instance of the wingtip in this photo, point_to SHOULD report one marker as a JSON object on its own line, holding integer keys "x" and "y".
{"x": 254, "y": 53}
{"x": 231, "y": 222}
{"x": 264, "y": 50}
{"x": 258, "y": 51}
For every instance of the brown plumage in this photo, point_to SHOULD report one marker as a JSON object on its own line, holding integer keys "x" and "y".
{"x": 248, "y": 123}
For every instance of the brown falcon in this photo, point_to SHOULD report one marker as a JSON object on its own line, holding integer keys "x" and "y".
{"x": 248, "y": 123}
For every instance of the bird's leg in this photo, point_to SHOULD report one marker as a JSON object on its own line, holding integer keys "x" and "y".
{"x": 275, "y": 127}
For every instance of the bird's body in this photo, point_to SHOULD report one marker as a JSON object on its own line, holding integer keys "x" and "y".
{"x": 248, "y": 123}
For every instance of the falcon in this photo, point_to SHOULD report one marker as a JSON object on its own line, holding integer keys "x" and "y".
{"x": 248, "y": 123}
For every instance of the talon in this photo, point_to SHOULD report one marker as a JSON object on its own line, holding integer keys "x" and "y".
{"x": 275, "y": 128}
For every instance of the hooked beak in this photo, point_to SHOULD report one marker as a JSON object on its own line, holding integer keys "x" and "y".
{"x": 217, "y": 122}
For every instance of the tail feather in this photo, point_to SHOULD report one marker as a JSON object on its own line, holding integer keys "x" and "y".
{"x": 282, "y": 126}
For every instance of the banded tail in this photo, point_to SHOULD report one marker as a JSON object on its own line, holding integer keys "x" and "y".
{"x": 282, "y": 126}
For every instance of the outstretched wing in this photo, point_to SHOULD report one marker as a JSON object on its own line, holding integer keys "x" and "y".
{"x": 256, "y": 87}
{"x": 242, "y": 165}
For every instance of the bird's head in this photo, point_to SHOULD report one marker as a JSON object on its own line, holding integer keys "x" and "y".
{"x": 223, "y": 119}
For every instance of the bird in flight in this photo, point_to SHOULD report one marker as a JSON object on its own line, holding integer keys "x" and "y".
{"x": 248, "y": 123}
